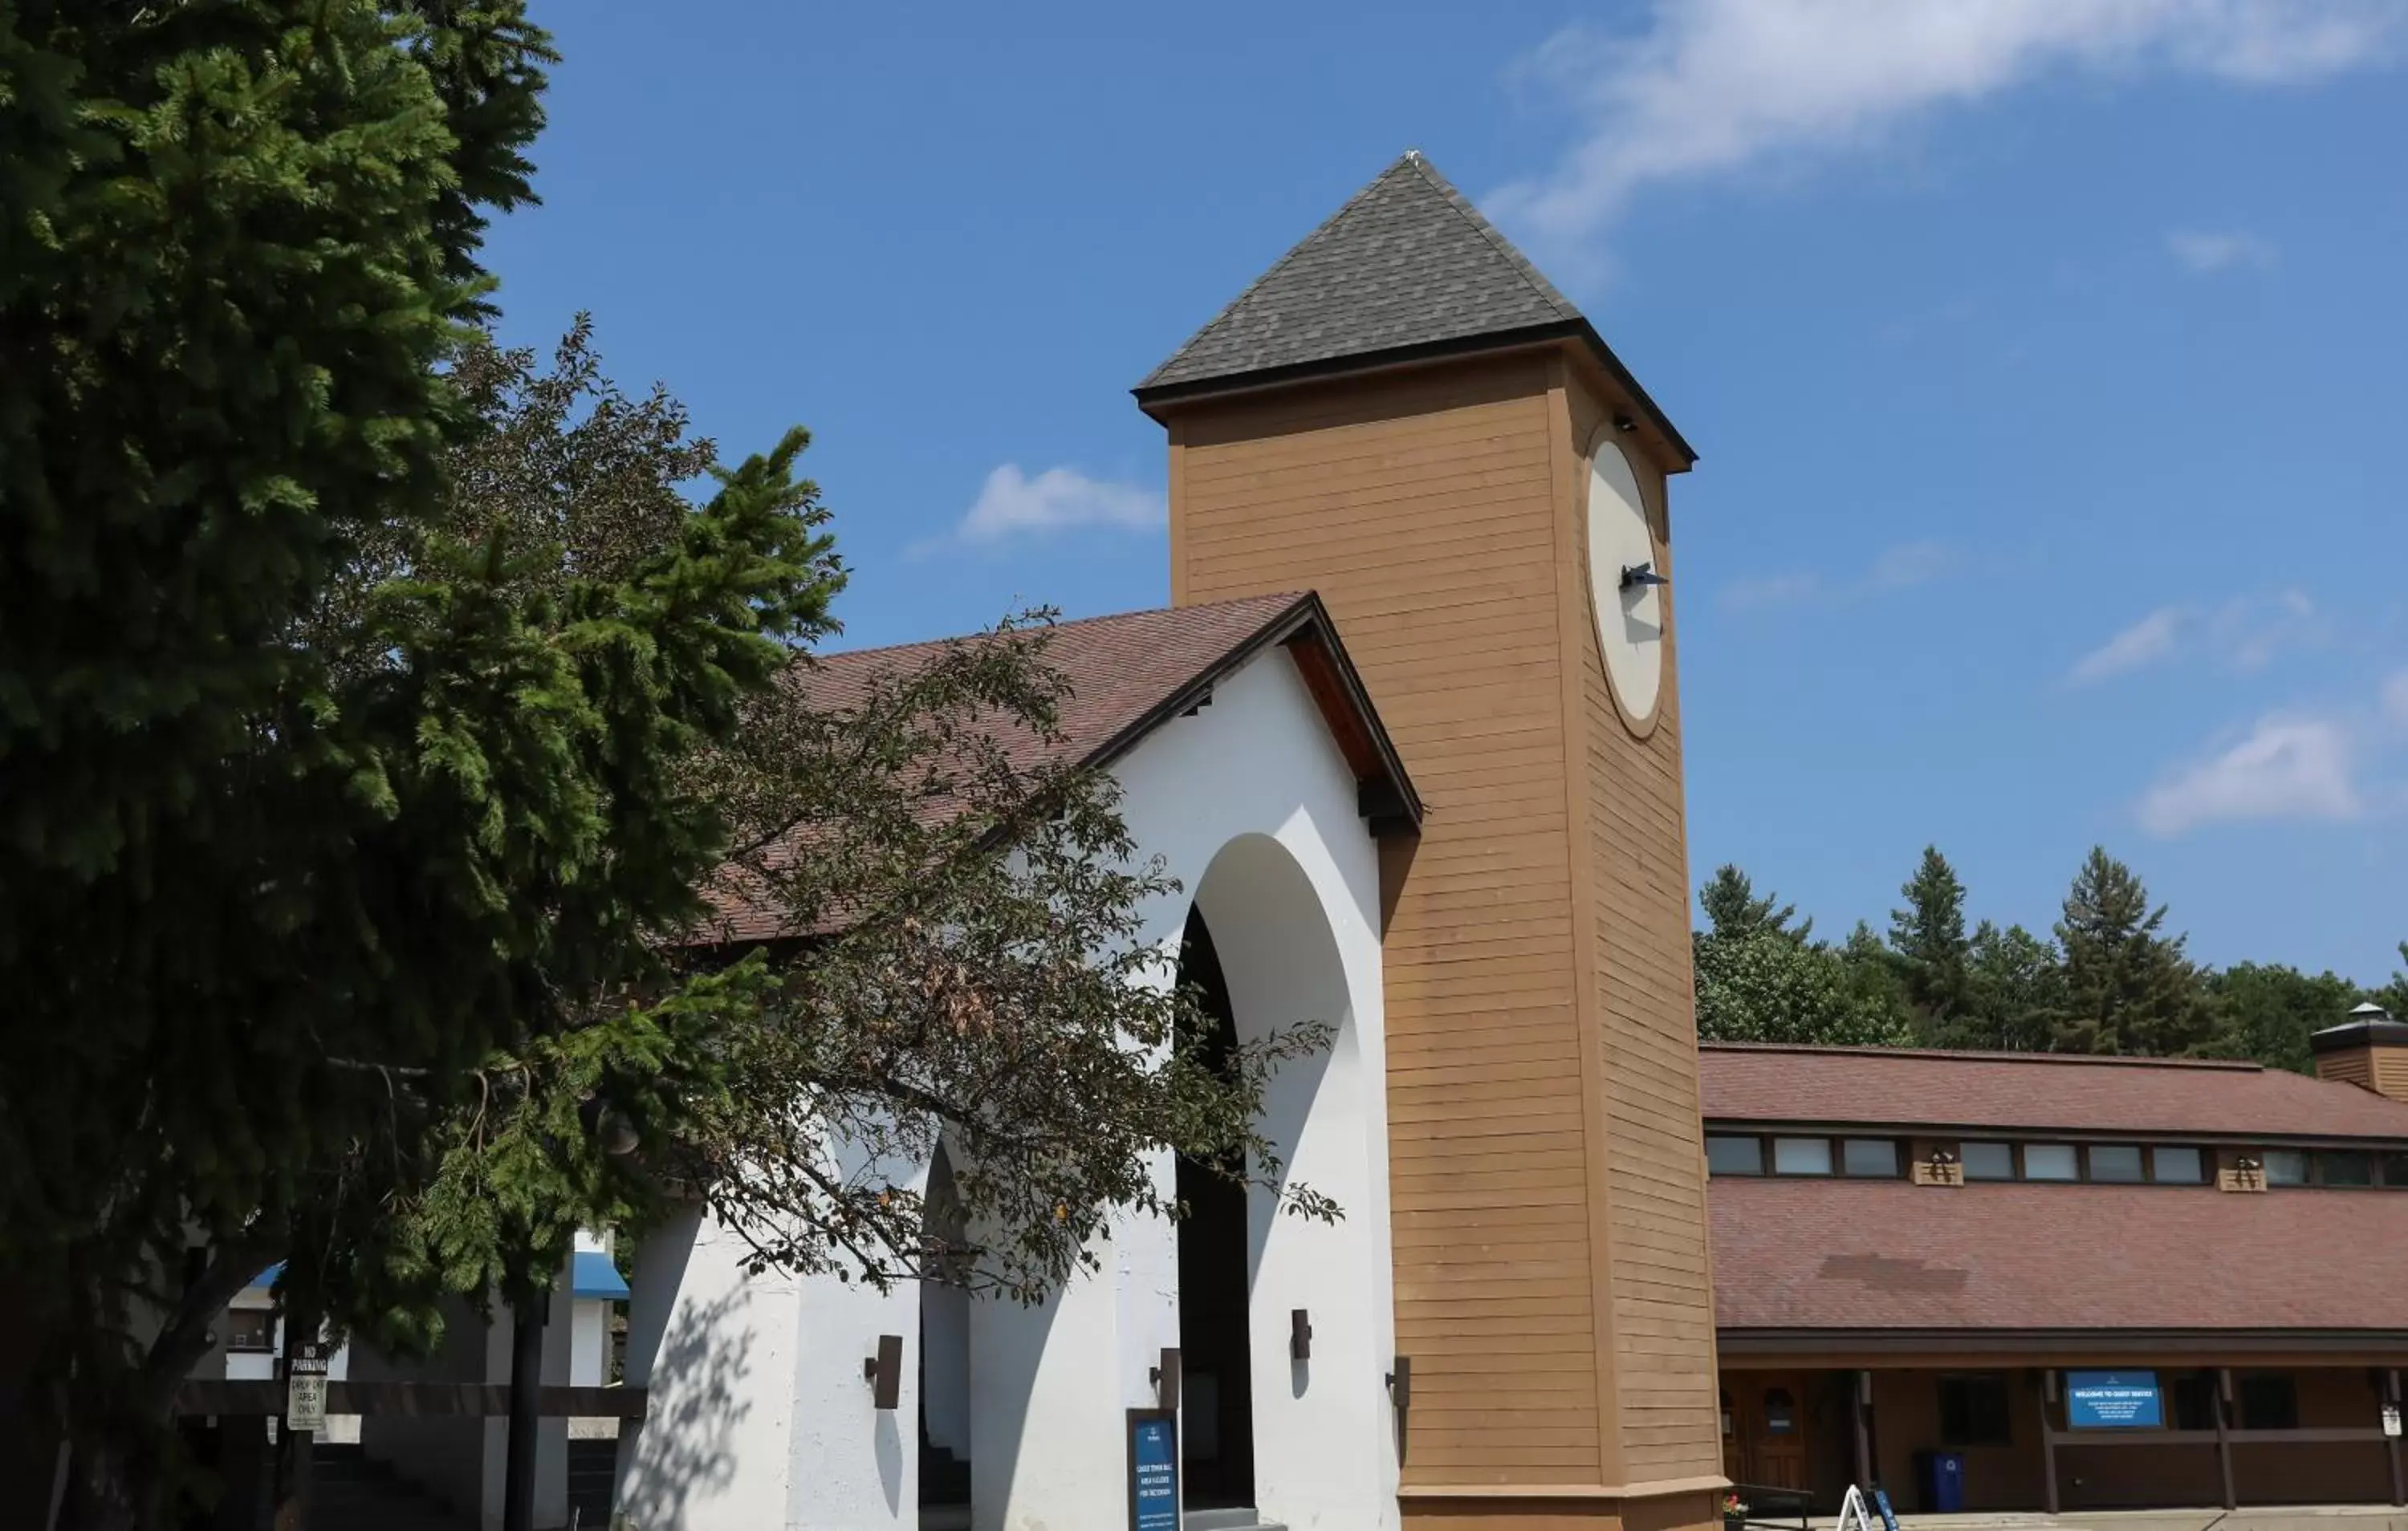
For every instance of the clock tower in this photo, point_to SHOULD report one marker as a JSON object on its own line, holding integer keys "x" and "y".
{"x": 1404, "y": 415}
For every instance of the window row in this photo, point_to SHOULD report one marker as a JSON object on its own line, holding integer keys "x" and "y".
{"x": 2106, "y": 1163}
{"x": 1976, "y": 1409}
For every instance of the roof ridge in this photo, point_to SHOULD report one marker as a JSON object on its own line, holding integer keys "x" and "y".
{"x": 2120, "y": 1060}
{"x": 1409, "y": 156}
{"x": 1286, "y": 596}
{"x": 1529, "y": 273}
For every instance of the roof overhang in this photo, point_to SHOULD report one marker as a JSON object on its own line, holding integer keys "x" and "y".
{"x": 1384, "y": 794}
{"x": 1674, "y": 451}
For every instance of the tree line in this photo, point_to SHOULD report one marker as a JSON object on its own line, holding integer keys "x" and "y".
{"x": 2107, "y": 977}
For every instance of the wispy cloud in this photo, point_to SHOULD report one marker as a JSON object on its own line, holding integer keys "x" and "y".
{"x": 1011, "y": 506}
{"x": 1900, "y": 568}
{"x": 2286, "y": 767}
{"x": 2145, "y": 642}
{"x": 1709, "y": 87}
{"x": 2207, "y": 252}
{"x": 2243, "y": 634}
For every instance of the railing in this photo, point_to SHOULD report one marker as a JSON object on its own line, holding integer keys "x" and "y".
{"x": 1763, "y": 1501}
{"x": 472, "y": 1399}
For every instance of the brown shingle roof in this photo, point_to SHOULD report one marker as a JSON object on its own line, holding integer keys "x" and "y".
{"x": 2041, "y": 1091}
{"x": 1124, "y": 675}
{"x": 1888, "y": 1255}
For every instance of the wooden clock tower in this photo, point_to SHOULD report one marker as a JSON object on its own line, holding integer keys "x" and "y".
{"x": 1405, "y": 416}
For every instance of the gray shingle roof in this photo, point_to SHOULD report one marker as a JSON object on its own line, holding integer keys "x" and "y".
{"x": 1406, "y": 261}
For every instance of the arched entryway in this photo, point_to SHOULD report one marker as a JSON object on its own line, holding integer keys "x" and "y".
{"x": 1217, "y": 1445}
{"x": 1294, "y": 1435}
{"x": 944, "y": 1356}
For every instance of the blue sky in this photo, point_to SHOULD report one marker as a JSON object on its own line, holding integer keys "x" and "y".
{"x": 2044, "y": 358}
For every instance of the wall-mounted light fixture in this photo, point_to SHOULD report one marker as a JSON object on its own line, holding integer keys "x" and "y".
{"x": 1625, "y": 425}
{"x": 1400, "y": 1382}
{"x": 884, "y": 1372}
{"x": 1165, "y": 1378}
{"x": 1638, "y": 575}
{"x": 1299, "y": 1335}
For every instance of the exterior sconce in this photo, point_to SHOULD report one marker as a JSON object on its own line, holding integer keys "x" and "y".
{"x": 1625, "y": 425}
{"x": 1400, "y": 1383}
{"x": 1639, "y": 576}
{"x": 884, "y": 1372}
{"x": 1165, "y": 1378}
{"x": 1299, "y": 1335}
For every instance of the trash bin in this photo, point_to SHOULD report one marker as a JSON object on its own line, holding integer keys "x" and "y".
{"x": 1940, "y": 1478}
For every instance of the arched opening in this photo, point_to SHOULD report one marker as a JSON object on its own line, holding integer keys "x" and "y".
{"x": 944, "y": 1356}
{"x": 1217, "y": 1438}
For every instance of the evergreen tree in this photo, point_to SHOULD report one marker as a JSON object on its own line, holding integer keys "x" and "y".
{"x": 2014, "y": 990}
{"x": 1927, "y": 940}
{"x": 2273, "y": 1008}
{"x": 2128, "y": 988}
{"x": 257, "y": 829}
{"x": 1732, "y": 908}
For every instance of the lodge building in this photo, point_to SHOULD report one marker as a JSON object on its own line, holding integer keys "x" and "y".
{"x": 1409, "y": 736}
{"x": 1928, "y": 1255}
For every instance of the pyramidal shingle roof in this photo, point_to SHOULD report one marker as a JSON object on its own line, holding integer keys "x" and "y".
{"x": 1408, "y": 263}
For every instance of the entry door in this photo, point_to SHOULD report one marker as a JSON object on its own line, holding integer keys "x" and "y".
{"x": 1776, "y": 1437}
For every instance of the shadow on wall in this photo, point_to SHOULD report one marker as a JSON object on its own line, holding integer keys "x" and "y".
{"x": 684, "y": 1448}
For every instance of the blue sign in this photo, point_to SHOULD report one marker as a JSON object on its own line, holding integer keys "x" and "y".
{"x": 1881, "y": 1502}
{"x": 1153, "y": 1470}
{"x": 2112, "y": 1400}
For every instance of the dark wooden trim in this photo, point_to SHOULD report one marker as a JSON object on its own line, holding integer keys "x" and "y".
{"x": 2311, "y": 1436}
{"x": 2048, "y": 1394}
{"x": 2221, "y": 1406}
{"x": 449, "y": 1399}
{"x": 1993, "y": 1133}
{"x": 1784, "y": 1343}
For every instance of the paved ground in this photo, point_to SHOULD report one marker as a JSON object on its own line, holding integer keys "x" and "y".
{"x": 2254, "y": 1518}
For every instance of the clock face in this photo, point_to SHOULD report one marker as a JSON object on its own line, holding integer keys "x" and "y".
{"x": 1629, "y": 616}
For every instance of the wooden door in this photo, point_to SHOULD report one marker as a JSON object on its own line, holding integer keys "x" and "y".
{"x": 1775, "y": 1407}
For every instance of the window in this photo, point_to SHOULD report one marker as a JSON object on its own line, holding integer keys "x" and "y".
{"x": 1801, "y": 1156}
{"x": 2285, "y": 1167}
{"x": 2050, "y": 1161}
{"x": 1988, "y": 1161}
{"x": 251, "y": 1329}
{"x": 2177, "y": 1165}
{"x": 2194, "y": 1401}
{"x": 1974, "y": 1410}
{"x": 1873, "y": 1156}
{"x": 1734, "y": 1155}
{"x": 2395, "y": 1171}
{"x": 2344, "y": 1167}
{"x": 2269, "y": 1401}
{"x": 2117, "y": 1163}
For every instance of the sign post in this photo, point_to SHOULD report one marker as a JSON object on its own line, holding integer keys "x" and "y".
{"x": 2112, "y": 1400}
{"x": 1153, "y": 1470}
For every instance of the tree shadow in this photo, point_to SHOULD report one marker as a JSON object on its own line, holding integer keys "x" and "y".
{"x": 684, "y": 1449}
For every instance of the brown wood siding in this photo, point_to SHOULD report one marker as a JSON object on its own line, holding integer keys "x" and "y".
{"x": 2354, "y": 1066}
{"x": 1639, "y": 885}
{"x": 1422, "y": 507}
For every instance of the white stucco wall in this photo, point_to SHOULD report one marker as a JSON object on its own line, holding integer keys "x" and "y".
{"x": 1258, "y": 762}
{"x": 759, "y": 1415}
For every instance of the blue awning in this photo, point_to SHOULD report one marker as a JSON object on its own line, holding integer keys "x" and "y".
{"x": 267, "y": 1278}
{"x": 595, "y": 1275}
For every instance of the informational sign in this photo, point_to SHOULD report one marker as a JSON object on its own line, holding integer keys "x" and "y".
{"x": 2391, "y": 1420}
{"x": 305, "y": 1393}
{"x": 2112, "y": 1400}
{"x": 1153, "y": 1470}
{"x": 1881, "y": 1502}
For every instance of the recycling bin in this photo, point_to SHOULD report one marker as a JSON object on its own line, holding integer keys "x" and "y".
{"x": 1940, "y": 1477}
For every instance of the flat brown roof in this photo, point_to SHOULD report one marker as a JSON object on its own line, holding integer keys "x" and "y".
{"x": 2036, "y": 1092}
{"x": 1874, "y": 1256}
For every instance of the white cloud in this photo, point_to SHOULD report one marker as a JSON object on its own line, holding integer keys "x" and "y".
{"x": 1900, "y": 567}
{"x": 2287, "y": 767}
{"x": 1011, "y": 505}
{"x": 2207, "y": 252}
{"x": 2243, "y": 634}
{"x": 2145, "y": 642}
{"x": 1712, "y": 86}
